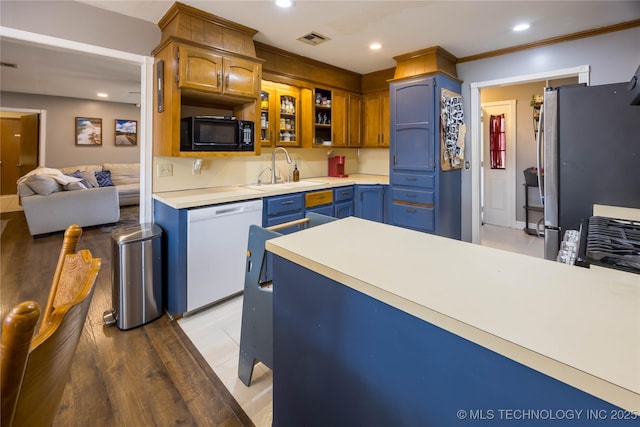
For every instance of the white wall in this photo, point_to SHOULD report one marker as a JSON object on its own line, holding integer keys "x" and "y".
{"x": 81, "y": 22}
{"x": 613, "y": 58}
{"x": 60, "y": 149}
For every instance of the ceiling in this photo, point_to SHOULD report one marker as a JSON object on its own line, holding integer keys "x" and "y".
{"x": 463, "y": 28}
{"x": 45, "y": 70}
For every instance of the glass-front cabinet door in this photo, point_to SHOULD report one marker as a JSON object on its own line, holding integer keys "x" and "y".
{"x": 279, "y": 115}
{"x": 288, "y": 125}
{"x": 267, "y": 115}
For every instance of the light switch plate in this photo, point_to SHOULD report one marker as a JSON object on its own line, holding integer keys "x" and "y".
{"x": 165, "y": 169}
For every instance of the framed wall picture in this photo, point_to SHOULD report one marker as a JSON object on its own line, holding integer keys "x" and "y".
{"x": 126, "y": 134}
{"x": 88, "y": 132}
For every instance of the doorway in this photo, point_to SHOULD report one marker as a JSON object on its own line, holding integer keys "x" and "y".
{"x": 582, "y": 72}
{"x": 19, "y": 147}
{"x": 498, "y": 163}
{"x": 146, "y": 99}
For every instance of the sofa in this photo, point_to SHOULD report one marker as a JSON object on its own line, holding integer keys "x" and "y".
{"x": 124, "y": 176}
{"x": 87, "y": 195}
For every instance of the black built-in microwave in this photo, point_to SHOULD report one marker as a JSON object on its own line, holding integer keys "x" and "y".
{"x": 216, "y": 133}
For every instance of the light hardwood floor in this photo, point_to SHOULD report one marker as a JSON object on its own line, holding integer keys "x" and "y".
{"x": 148, "y": 376}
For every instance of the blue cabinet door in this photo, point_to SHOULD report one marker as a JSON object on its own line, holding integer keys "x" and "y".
{"x": 369, "y": 202}
{"x": 412, "y": 125}
{"x": 423, "y": 196}
{"x": 343, "y": 209}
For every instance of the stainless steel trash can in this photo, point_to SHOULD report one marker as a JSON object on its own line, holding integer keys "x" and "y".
{"x": 137, "y": 276}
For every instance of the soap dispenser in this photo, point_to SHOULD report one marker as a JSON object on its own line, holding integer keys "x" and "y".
{"x": 296, "y": 173}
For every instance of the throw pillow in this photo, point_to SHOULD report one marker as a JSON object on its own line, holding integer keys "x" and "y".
{"x": 43, "y": 185}
{"x": 104, "y": 179}
{"x": 90, "y": 178}
{"x": 72, "y": 186}
{"x": 78, "y": 174}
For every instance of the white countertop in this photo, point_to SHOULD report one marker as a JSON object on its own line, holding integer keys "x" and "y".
{"x": 214, "y": 195}
{"x": 577, "y": 325}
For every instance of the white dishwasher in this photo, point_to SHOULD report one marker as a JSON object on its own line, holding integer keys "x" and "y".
{"x": 217, "y": 250}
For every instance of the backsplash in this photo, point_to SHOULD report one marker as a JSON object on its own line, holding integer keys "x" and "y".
{"x": 238, "y": 170}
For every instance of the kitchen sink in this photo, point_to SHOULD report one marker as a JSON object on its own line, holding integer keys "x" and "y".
{"x": 284, "y": 185}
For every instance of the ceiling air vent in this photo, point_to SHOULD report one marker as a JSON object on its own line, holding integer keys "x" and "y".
{"x": 313, "y": 38}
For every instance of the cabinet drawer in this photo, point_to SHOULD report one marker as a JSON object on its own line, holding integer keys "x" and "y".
{"x": 318, "y": 198}
{"x": 323, "y": 210}
{"x": 283, "y": 204}
{"x": 413, "y": 180}
{"x": 285, "y": 218}
{"x": 343, "y": 193}
{"x": 413, "y": 196}
{"x": 415, "y": 217}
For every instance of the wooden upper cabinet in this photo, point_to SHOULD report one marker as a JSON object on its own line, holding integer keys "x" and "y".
{"x": 376, "y": 119}
{"x": 208, "y": 71}
{"x": 355, "y": 120}
{"x": 199, "y": 69}
{"x": 241, "y": 77}
{"x": 343, "y": 125}
{"x": 339, "y": 120}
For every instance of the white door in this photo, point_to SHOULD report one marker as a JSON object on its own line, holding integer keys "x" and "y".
{"x": 498, "y": 169}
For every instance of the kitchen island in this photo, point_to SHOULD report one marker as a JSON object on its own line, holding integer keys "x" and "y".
{"x": 379, "y": 325}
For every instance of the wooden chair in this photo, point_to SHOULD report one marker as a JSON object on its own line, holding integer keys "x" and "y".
{"x": 70, "y": 241}
{"x": 33, "y": 382}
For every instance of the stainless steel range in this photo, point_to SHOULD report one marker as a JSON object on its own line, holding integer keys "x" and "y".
{"x": 611, "y": 242}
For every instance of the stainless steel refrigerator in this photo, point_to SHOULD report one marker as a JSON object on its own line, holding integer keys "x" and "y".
{"x": 591, "y": 153}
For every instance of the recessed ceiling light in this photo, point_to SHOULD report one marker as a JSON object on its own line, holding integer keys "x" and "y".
{"x": 375, "y": 46}
{"x": 102, "y": 95}
{"x": 521, "y": 27}
{"x": 284, "y": 3}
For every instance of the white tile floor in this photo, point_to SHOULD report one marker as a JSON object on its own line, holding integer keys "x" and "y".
{"x": 216, "y": 332}
{"x": 513, "y": 240}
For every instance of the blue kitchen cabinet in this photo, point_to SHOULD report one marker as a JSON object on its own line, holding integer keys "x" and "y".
{"x": 278, "y": 210}
{"x": 343, "y": 209}
{"x": 327, "y": 210}
{"x": 369, "y": 202}
{"x": 422, "y": 197}
{"x": 281, "y": 209}
{"x": 343, "y": 201}
{"x": 174, "y": 247}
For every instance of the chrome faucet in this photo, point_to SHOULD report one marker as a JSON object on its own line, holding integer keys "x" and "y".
{"x": 273, "y": 162}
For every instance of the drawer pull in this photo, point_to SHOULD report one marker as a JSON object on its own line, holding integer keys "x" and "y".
{"x": 288, "y": 202}
{"x": 411, "y": 178}
{"x": 344, "y": 193}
